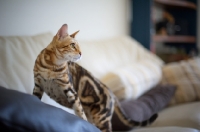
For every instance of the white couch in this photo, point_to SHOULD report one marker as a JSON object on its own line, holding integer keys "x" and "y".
{"x": 121, "y": 63}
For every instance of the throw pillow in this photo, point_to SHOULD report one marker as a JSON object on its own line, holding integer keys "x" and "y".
{"x": 145, "y": 106}
{"x": 24, "y": 112}
{"x": 186, "y": 76}
{"x": 133, "y": 80}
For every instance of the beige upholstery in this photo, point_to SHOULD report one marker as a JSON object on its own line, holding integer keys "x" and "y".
{"x": 134, "y": 68}
{"x": 186, "y": 115}
{"x": 166, "y": 129}
{"x": 17, "y": 55}
{"x": 122, "y": 64}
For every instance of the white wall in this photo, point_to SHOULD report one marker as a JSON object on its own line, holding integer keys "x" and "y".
{"x": 95, "y": 19}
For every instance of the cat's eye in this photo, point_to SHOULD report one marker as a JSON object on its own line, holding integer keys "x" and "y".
{"x": 73, "y": 45}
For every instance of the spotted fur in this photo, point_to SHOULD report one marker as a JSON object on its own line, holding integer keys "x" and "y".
{"x": 72, "y": 86}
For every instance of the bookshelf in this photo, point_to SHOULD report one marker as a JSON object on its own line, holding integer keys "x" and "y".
{"x": 174, "y": 39}
{"x": 177, "y": 3}
{"x": 161, "y": 25}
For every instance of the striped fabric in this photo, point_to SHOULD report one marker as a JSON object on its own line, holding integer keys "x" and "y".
{"x": 186, "y": 76}
{"x": 133, "y": 80}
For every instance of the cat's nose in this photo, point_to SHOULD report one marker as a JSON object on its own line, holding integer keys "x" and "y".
{"x": 80, "y": 53}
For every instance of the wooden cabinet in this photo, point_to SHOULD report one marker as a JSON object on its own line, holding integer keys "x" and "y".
{"x": 166, "y": 27}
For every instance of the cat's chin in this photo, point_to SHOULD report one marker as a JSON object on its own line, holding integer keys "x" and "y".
{"x": 74, "y": 59}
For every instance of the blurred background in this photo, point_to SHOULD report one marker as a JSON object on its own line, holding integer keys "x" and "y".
{"x": 168, "y": 28}
{"x": 96, "y": 19}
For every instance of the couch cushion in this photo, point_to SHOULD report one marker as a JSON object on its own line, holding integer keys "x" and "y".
{"x": 145, "y": 106}
{"x": 186, "y": 76}
{"x": 185, "y": 115}
{"x": 123, "y": 64}
{"x": 24, "y": 112}
{"x": 131, "y": 81}
{"x": 17, "y": 56}
{"x": 165, "y": 129}
{"x": 102, "y": 56}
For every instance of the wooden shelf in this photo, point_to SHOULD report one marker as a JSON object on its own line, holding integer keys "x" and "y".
{"x": 178, "y": 3}
{"x": 174, "y": 39}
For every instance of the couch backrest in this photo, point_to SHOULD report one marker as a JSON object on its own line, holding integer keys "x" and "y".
{"x": 18, "y": 54}
{"x": 103, "y": 56}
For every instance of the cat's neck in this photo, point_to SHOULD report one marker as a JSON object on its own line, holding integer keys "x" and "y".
{"x": 53, "y": 59}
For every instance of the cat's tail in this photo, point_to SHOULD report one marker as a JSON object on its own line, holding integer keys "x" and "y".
{"x": 128, "y": 121}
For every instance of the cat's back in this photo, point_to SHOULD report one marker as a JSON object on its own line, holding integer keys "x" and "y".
{"x": 78, "y": 71}
{"x": 79, "y": 74}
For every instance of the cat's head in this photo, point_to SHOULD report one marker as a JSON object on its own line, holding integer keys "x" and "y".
{"x": 65, "y": 46}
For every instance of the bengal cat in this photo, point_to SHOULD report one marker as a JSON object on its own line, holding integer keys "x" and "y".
{"x": 69, "y": 84}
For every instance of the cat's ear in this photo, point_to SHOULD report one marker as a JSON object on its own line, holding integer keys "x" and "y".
{"x": 63, "y": 31}
{"x": 74, "y": 34}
